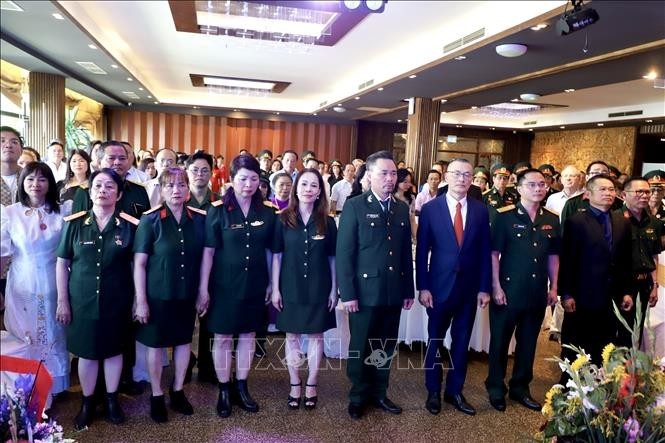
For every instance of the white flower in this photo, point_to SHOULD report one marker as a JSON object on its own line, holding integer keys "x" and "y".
{"x": 563, "y": 366}
{"x": 661, "y": 363}
{"x": 587, "y": 404}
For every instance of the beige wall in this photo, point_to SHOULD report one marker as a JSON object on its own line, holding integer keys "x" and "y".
{"x": 579, "y": 147}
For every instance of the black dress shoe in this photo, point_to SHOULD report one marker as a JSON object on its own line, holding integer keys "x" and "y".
{"x": 355, "y": 410}
{"x": 158, "y": 409}
{"x": 433, "y": 403}
{"x": 130, "y": 387}
{"x": 460, "y": 403}
{"x": 240, "y": 396}
{"x": 526, "y": 401}
{"x": 498, "y": 403}
{"x": 114, "y": 412}
{"x": 387, "y": 405}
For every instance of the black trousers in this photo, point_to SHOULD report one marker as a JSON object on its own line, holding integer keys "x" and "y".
{"x": 374, "y": 332}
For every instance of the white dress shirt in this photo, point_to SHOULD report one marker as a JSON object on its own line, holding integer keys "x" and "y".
{"x": 340, "y": 192}
{"x": 452, "y": 208}
{"x": 558, "y": 200}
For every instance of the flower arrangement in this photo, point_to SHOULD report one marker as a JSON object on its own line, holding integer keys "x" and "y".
{"x": 621, "y": 401}
{"x": 18, "y": 416}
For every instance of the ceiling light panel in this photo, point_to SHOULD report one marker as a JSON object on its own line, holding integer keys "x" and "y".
{"x": 233, "y": 83}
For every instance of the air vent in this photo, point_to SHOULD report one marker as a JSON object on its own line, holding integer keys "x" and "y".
{"x": 624, "y": 114}
{"x": 464, "y": 40}
{"x": 8, "y": 5}
{"x": 131, "y": 94}
{"x": 367, "y": 84}
{"x": 91, "y": 67}
{"x": 372, "y": 109}
{"x": 533, "y": 122}
{"x": 653, "y": 129}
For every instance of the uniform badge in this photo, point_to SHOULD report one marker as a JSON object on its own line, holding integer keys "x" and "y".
{"x": 257, "y": 223}
{"x": 369, "y": 198}
{"x": 318, "y": 237}
{"x": 546, "y": 227}
{"x": 237, "y": 226}
{"x": 649, "y": 230}
{"x": 372, "y": 215}
{"x": 517, "y": 226}
{"x": 118, "y": 240}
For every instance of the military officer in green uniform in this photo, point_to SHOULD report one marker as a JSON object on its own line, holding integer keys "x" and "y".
{"x": 375, "y": 277}
{"x": 580, "y": 203}
{"x": 656, "y": 181}
{"x": 481, "y": 178}
{"x": 525, "y": 257}
{"x": 134, "y": 200}
{"x": 549, "y": 172}
{"x": 167, "y": 260}
{"x": 265, "y": 162}
{"x": 239, "y": 237}
{"x": 647, "y": 234}
{"x": 95, "y": 291}
{"x": 499, "y": 195}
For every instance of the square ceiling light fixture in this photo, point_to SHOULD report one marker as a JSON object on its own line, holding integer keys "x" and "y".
{"x": 238, "y": 86}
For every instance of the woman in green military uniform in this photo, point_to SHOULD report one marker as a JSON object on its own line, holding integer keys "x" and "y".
{"x": 167, "y": 258}
{"x": 239, "y": 233}
{"x": 95, "y": 292}
{"x": 304, "y": 286}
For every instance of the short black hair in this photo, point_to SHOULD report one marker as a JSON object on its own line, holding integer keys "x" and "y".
{"x": 627, "y": 184}
{"x": 379, "y": 155}
{"x": 522, "y": 174}
{"x": 107, "y": 143}
{"x": 199, "y": 155}
{"x": 596, "y": 162}
{"x": 111, "y": 173}
{"x": 51, "y": 193}
{"x": 13, "y": 131}
{"x": 85, "y": 156}
{"x": 290, "y": 151}
{"x": 34, "y": 152}
{"x": 433, "y": 171}
{"x": 597, "y": 177}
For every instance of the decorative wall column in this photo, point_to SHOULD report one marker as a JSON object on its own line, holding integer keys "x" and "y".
{"x": 47, "y": 110}
{"x": 422, "y": 136}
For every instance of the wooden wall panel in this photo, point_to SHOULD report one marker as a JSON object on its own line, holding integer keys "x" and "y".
{"x": 226, "y": 136}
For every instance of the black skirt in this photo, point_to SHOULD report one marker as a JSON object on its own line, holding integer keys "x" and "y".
{"x": 171, "y": 323}
{"x": 305, "y": 318}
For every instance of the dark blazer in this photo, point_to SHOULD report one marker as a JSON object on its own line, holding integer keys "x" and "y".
{"x": 471, "y": 263}
{"x": 473, "y": 192}
{"x": 589, "y": 272}
{"x": 374, "y": 258}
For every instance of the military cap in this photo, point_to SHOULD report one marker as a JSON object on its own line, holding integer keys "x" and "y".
{"x": 500, "y": 168}
{"x": 481, "y": 172}
{"x": 547, "y": 169}
{"x": 520, "y": 166}
{"x": 265, "y": 153}
{"x": 655, "y": 177}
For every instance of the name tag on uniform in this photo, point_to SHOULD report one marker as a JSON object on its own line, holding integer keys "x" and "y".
{"x": 372, "y": 216}
{"x": 516, "y": 226}
{"x": 318, "y": 237}
{"x": 87, "y": 242}
{"x": 256, "y": 223}
{"x": 236, "y": 226}
{"x": 546, "y": 227}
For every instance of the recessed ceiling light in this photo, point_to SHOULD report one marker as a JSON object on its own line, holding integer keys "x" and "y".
{"x": 357, "y": 98}
{"x": 57, "y": 16}
{"x": 140, "y": 89}
{"x": 235, "y": 110}
{"x": 569, "y": 90}
{"x": 649, "y": 121}
{"x": 539, "y": 26}
{"x": 562, "y": 127}
{"x": 114, "y": 66}
{"x": 529, "y": 97}
{"x": 474, "y": 107}
{"x": 443, "y": 112}
{"x": 195, "y": 107}
{"x": 458, "y": 126}
{"x": 339, "y": 104}
{"x": 413, "y": 76}
{"x": 531, "y": 129}
{"x": 150, "y": 96}
{"x": 399, "y": 121}
{"x": 315, "y": 113}
{"x": 156, "y": 103}
{"x": 325, "y": 110}
{"x": 129, "y": 79}
{"x": 652, "y": 75}
{"x": 515, "y": 100}
{"x": 276, "y": 113}
{"x": 91, "y": 46}
{"x": 380, "y": 89}
{"x": 492, "y": 129}
{"x": 601, "y": 124}
{"x": 443, "y": 100}
{"x": 460, "y": 57}
{"x": 511, "y": 50}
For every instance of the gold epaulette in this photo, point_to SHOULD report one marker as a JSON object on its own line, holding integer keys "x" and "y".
{"x": 217, "y": 203}
{"x": 553, "y": 212}
{"x": 136, "y": 183}
{"x": 84, "y": 185}
{"x": 489, "y": 190}
{"x": 133, "y": 220}
{"x": 270, "y": 204}
{"x": 71, "y": 217}
{"x": 200, "y": 211}
{"x": 506, "y": 208}
{"x": 153, "y": 209}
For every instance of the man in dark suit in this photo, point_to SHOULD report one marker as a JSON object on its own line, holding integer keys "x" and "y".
{"x": 595, "y": 270}
{"x": 375, "y": 277}
{"x": 456, "y": 231}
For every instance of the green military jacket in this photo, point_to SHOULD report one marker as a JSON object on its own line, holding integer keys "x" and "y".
{"x": 134, "y": 200}
{"x": 374, "y": 256}
{"x": 646, "y": 242}
{"x": 240, "y": 268}
{"x": 100, "y": 280}
{"x": 174, "y": 251}
{"x": 494, "y": 200}
{"x": 205, "y": 204}
{"x": 525, "y": 247}
{"x": 305, "y": 273}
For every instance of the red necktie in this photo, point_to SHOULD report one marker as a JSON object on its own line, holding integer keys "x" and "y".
{"x": 458, "y": 225}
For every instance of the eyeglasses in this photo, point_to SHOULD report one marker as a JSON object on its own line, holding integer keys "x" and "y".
{"x": 533, "y": 185}
{"x": 641, "y": 191}
{"x": 202, "y": 171}
{"x": 457, "y": 175}
{"x": 656, "y": 189}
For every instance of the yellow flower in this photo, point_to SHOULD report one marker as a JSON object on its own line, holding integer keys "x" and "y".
{"x": 580, "y": 361}
{"x": 607, "y": 352}
{"x": 547, "y": 407}
{"x": 548, "y": 411}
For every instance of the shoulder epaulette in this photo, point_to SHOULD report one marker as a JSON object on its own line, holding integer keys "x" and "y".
{"x": 506, "y": 208}
{"x": 129, "y": 218}
{"x": 153, "y": 209}
{"x": 270, "y": 204}
{"x": 84, "y": 185}
{"x": 489, "y": 190}
{"x": 136, "y": 183}
{"x": 553, "y": 212}
{"x": 200, "y": 211}
{"x": 217, "y": 203}
{"x": 71, "y": 217}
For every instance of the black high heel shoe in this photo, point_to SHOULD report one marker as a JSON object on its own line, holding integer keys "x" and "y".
{"x": 310, "y": 402}
{"x": 293, "y": 402}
